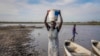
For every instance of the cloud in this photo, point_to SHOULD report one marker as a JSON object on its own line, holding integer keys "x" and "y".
{"x": 58, "y": 2}
{"x": 22, "y": 10}
{"x": 83, "y": 12}
{"x": 6, "y": 7}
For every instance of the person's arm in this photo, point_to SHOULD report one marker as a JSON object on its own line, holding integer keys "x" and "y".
{"x": 45, "y": 21}
{"x": 61, "y": 21}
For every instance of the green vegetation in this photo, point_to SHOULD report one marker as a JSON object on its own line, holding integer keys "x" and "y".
{"x": 82, "y": 23}
{"x": 65, "y": 23}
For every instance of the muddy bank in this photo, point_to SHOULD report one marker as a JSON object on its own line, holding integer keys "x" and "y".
{"x": 16, "y": 42}
{"x": 18, "y": 27}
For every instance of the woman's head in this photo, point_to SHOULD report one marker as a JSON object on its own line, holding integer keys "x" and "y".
{"x": 53, "y": 24}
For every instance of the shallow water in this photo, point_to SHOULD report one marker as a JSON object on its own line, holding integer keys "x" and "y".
{"x": 85, "y": 34}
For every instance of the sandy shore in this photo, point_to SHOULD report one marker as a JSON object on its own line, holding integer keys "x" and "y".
{"x": 14, "y": 42}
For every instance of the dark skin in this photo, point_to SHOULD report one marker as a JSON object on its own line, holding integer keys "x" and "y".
{"x": 53, "y": 23}
{"x": 74, "y": 31}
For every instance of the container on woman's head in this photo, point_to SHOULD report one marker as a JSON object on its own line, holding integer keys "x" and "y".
{"x": 53, "y": 15}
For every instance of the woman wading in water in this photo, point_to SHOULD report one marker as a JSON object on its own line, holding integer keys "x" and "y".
{"x": 53, "y": 41}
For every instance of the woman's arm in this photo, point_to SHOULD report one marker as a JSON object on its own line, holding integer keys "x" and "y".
{"x": 61, "y": 21}
{"x": 45, "y": 21}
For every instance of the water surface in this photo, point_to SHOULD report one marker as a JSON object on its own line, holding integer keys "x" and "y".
{"x": 85, "y": 34}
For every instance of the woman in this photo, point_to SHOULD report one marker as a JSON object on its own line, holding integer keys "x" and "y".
{"x": 53, "y": 42}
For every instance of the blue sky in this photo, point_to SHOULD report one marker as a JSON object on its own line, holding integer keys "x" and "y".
{"x": 35, "y": 10}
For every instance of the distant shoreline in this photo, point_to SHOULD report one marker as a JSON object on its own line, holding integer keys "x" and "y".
{"x": 65, "y": 23}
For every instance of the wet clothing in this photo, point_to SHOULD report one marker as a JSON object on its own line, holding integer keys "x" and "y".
{"x": 74, "y": 31}
{"x": 53, "y": 42}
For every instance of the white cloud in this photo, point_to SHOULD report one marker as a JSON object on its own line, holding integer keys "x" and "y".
{"x": 23, "y": 11}
{"x": 58, "y": 2}
{"x": 8, "y": 9}
{"x": 84, "y": 9}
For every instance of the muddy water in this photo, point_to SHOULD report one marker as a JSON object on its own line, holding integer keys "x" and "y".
{"x": 85, "y": 34}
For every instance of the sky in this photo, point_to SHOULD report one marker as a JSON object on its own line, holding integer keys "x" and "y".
{"x": 35, "y": 10}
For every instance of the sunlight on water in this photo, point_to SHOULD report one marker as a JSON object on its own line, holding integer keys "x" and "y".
{"x": 85, "y": 34}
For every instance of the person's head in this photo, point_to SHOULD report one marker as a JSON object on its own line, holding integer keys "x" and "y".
{"x": 53, "y": 24}
{"x": 74, "y": 25}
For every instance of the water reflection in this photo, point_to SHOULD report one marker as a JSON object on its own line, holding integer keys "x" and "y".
{"x": 85, "y": 34}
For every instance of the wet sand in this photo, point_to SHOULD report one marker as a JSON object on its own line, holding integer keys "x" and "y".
{"x": 15, "y": 41}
